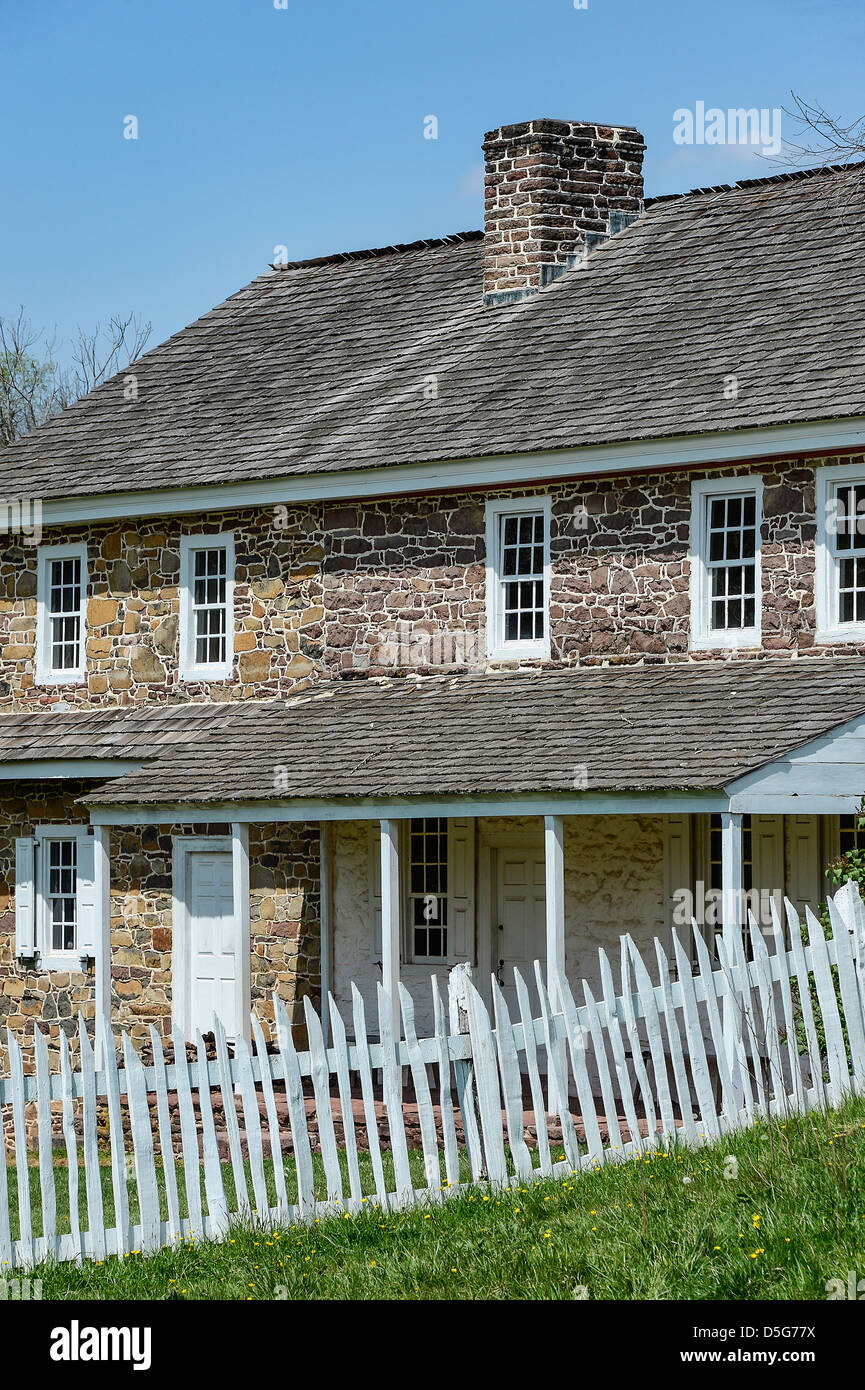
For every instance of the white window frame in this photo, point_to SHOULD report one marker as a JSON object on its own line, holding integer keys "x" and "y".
{"x": 190, "y": 670}
{"x": 497, "y": 648}
{"x": 703, "y": 636}
{"x": 45, "y": 673}
{"x": 49, "y": 958}
{"x": 409, "y": 954}
{"x": 827, "y": 565}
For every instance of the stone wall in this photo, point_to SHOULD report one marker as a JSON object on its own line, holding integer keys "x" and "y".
{"x": 390, "y": 585}
{"x": 133, "y": 609}
{"x": 29, "y": 996}
{"x": 413, "y": 568}
{"x": 284, "y": 923}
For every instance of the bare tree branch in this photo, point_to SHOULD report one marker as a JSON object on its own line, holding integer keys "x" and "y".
{"x": 33, "y": 387}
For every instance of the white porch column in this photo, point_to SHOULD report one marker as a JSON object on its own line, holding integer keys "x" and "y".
{"x": 731, "y": 919}
{"x": 390, "y": 915}
{"x": 554, "y": 859}
{"x": 326, "y": 925}
{"x": 554, "y": 864}
{"x": 731, "y": 872}
{"x": 240, "y": 880}
{"x": 102, "y": 876}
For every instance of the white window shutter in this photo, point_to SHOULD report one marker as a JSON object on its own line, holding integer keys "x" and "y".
{"x": 88, "y": 926}
{"x": 678, "y": 867}
{"x": 461, "y": 888}
{"x": 375, "y": 891}
{"x": 25, "y": 897}
{"x": 767, "y": 861}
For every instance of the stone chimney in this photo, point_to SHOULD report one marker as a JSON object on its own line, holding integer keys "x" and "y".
{"x": 553, "y": 190}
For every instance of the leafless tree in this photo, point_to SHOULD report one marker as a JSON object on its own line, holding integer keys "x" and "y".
{"x": 823, "y": 139}
{"x": 33, "y": 384}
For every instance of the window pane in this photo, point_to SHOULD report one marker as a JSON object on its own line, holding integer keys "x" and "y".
{"x": 522, "y": 555}
{"x": 731, "y": 561}
{"x": 64, "y": 613}
{"x": 61, "y": 889}
{"x": 428, "y": 843}
{"x": 209, "y": 605}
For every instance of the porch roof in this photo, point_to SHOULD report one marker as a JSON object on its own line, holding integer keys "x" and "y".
{"x": 696, "y": 727}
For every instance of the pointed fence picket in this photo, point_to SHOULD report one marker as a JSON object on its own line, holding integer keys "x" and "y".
{"x": 629, "y": 1071}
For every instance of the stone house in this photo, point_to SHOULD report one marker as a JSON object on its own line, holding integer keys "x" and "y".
{"x": 475, "y": 599}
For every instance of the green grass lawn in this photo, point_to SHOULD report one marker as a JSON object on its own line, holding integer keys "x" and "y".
{"x": 785, "y": 1217}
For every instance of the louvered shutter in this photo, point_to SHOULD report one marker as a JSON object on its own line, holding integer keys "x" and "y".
{"x": 461, "y": 889}
{"x": 678, "y": 871}
{"x": 25, "y": 897}
{"x": 88, "y": 925}
{"x": 767, "y": 861}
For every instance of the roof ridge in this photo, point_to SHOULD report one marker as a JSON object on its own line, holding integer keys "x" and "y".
{"x": 788, "y": 176}
{"x": 369, "y": 253}
{"x": 456, "y": 238}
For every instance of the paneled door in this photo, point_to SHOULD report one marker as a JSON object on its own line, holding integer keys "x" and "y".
{"x": 213, "y": 973}
{"x": 519, "y": 936}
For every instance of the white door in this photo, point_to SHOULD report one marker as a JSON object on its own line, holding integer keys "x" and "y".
{"x": 520, "y": 921}
{"x": 214, "y": 970}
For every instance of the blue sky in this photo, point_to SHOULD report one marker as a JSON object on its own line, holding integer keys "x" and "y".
{"x": 303, "y": 126}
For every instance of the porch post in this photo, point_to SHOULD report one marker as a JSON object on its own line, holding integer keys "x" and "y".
{"x": 390, "y": 915}
{"x": 554, "y": 866}
{"x": 731, "y": 872}
{"x": 554, "y": 859}
{"x": 240, "y": 881}
{"x": 326, "y": 926}
{"x": 102, "y": 876}
{"x": 731, "y": 919}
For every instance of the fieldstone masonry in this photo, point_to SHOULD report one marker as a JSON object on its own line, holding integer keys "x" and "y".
{"x": 383, "y": 587}
{"x": 284, "y": 923}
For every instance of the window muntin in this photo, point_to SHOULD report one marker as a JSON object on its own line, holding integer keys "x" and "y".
{"x": 207, "y": 606}
{"x": 850, "y": 836}
{"x": 518, "y": 578}
{"x": 847, "y": 537}
{"x": 61, "y": 895}
{"x": 61, "y": 596}
{"x": 521, "y": 548}
{"x": 210, "y": 605}
{"x": 725, "y": 563}
{"x": 428, "y": 887}
{"x": 64, "y": 612}
{"x": 731, "y": 561}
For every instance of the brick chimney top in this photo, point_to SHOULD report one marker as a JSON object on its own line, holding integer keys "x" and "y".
{"x": 553, "y": 190}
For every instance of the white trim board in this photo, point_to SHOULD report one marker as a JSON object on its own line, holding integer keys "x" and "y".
{"x": 825, "y": 776}
{"x": 68, "y": 767}
{"x": 527, "y": 804}
{"x": 506, "y": 470}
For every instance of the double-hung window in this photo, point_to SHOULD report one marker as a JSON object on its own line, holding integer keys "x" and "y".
{"x": 428, "y": 887}
{"x": 518, "y": 578}
{"x": 55, "y": 897}
{"x": 60, "y": 622}
{"x": 725, "y": 563}
{"x": 206, "y": 607}
{"x": 840, "y": 579}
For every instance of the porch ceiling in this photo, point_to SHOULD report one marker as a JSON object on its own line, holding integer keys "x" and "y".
{"x": 691, "y": 729}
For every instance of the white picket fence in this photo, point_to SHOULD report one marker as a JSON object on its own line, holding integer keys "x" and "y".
{"x": 698, "y": 1054}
